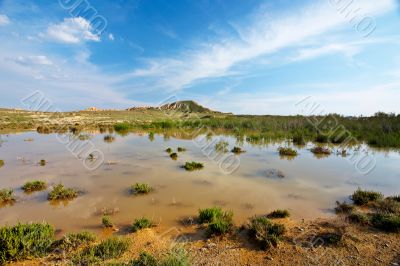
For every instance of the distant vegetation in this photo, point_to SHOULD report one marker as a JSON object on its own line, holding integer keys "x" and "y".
{"x": 34, "y": 186}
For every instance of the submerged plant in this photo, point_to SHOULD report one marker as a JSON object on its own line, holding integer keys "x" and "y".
{"x": 60, "y": 192}
{"x": 140, "y": 188}
{"x": 191, "y": 166}
{"x": 363, "y": 197}
{"x": 42, "y": 162}
{"x": 181, "y": 149}
{"x": 109, "y": 138}
{"x": 173, "y": 156}
{"x": 141, "y": 223}
{"x": 7, "y": 196}
{"x": 287, "y": 151}
{"x": 265, "y": 232}
{"x": 106, "y": 221}
{"x": 321, "y": 151}
{"x": 237, "y": 150}
{"x": 168, "y": 150}
{"x": 222, "y": 146}
{"x": 34, "y": 186}
{"x": 279, "y": 214}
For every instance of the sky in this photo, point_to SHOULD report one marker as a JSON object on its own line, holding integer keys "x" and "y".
{"x": 239, "y": 56}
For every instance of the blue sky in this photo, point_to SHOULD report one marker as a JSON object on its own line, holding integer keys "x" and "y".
{"x": 248, "y": 57}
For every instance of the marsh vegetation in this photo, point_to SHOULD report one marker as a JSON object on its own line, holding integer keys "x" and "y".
{"x": 59, "y": 192}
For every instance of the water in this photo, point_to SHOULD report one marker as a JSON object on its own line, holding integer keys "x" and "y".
{"x": 309, "y": 189}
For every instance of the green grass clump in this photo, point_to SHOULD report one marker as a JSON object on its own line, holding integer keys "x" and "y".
{"x": 60, "y": 192}
{"x": 176, "y": 257}
{"x": 321, "y": 151}
{"x": 169, "y": 150}
{"x": 145, "y": 259}
{"x": 181, "y": 149}
{"x": 25, "y": 241}
{"x": 219, "y": 222}
{"x": 120, "y": 127}
{"x": 287, "y": 151}
{"x": 34, "y": 186}
{"x": 173, "y": 156}
{"x": 221, "y": 146}
{"x": 42, "y": 162}
{"x": 140, "y": 188}
{"x": 237, "y": 150}
{"x": 358, "y": 218}
{"x": 279, "y": 214}
{"x": 106, "y": 221}
{"x": 343, "y": 207}
{"x": 112, "y": 248}
{"x": 298, "y": 139}
{"x": 141, "y": 223}
{"x": 363, "y": 197}
{"x": 1, "y": 163}
{"x": 73, "y": 241}
{"x": 7, "y": 196}
{"x": 265, "y": 232}
{"x": 191, "y": 166}
{"x": 386, "y": 222}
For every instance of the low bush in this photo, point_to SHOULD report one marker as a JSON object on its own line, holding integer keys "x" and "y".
{"x": 265, "y": 232}
{"x": 287, "y": 151}
{"x": 141, "y": 223}
{"x": 237, "y": 150}
{"x": 25, "y": 241}
{"x": 386, "y": 222}
{"x": 321, "y": 151}
{"x": 176, "y": 257}
{"x": 140, "y": 188}
{"x": 7, "y": 196}
{"x": 73, "y": 241}
{"x": 386, "y": 206}
{"x": 343, "y": 207}
{"x": 330, "y": 238}
{"x": 173, "y": 156}
{"x": 219, "y": 222}
{"x": 60, "y": 192}
{"x": 34, "y": 186}
{"x": 145, "y": 259}
{"x": 358, "y": 218}
{"x": 111, "y": 248}
{"x": 106, "y": 221}
{"x": 207, "y": 215}
{"x": 191, "y": 166}
{"x": 181, "y": 149}
{"x": 279, "y": 214}
{"x": 363, "y": 197}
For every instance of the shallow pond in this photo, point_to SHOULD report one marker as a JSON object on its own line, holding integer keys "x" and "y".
{"x": 309, "y": 188}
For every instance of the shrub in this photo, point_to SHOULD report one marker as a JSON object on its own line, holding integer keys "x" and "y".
{"x": 111, "y": 248}
{"x": 363, "y": 197}
{"x": 109, "y": 138}
{"x": 181, "y": 149}
{"x": 265, "y": 232}
{"x": 358, "y": 218}
{"x": 145, "y": 259}
{"x": 237, "y": 150}
{"x": 42, "y": 162}
{"x": 387, "y": 206}
{"x": 1, "y": 163}
{"x": 330, "y": 238}
{"x": 173, "y": 156}
{"x": 279, "y": 214}
{"x": 222, "y": 146}
{"x": 176, "y": 257}
{"x": 395, "y": 198}
{"x": 75, "y": 240}
{"x": 34, "y": 186}
{"x": 386, "y": 222}
{"x": 141, "y": 223}
{"x": 7, "y": 196}
{"x": 219, "y": 222}
{"x": 168, "y": 150}
{"x": 140, "y": 188}
{"x": 106, "y": 221}
{"x": 321, "y": 151}
{"x": 287, "y": 151}
{"x": 343, "y": 207}
{"x": 191, "y": 166}
{"x": 59, "y": 192}
{"x": 207, "y": 215}
{"x": 25, "y": 241}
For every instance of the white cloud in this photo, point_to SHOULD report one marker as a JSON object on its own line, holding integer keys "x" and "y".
{"x": 111, "y": 37}
{"x": 265, "y": 35}
{"x": 32, "y": 60}
{"x": 71, "y": 30}
{"x": 4, "y": 20}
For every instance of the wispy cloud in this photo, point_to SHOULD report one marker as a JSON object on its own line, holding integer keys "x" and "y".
{"x": 4, "y": 20}
{"x": 71, "y": 30}
{"x": 32, "y": 60}
{"x": 265, "y": 35}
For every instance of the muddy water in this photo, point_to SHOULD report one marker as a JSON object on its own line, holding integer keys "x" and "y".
{"x": 309, "y": 189}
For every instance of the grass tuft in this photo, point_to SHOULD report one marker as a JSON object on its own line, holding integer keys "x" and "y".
{"x": 279, "y": 214}
{"x": 321, "y": 151}
{"x": 363, "y": 197}
{"x": 169, "y": 150}
{"x": 265, "y": 232}
{"x": 386, "y": 222}
{"x": 141, "y": 188}
{"x": 141, "y": 223}
{"x": 219, "y": 222}
{"x": 73, "y": 241}
{"x": 109, "y": 138}
{"x": 237, "y": 150}
{"x": 106, "y": 221}
{"x": 176, "y": 257}
{"x": 287, "y": 151}
{"x": 42, "y": 162}
{"x": 1, "y": 163}
{"x": 181, "y": 149}
{"x": 221, "y": 146}
{"x": 7, "y": 196}
{"x": 191, "y": 166}
{"x": 173, "y": 156}
{"x": 34, "y": 186}
{"x": 358, "y": 218}
{"x": 60, "y": 192}
{"x": 145, "y": 259}
{"x": 343, "y": 207}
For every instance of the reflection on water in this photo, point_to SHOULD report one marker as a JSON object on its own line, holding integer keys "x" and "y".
{"x": 307, "y": 185}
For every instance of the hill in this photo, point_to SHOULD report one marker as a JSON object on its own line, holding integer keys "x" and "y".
{"x": 187, "y": 106}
